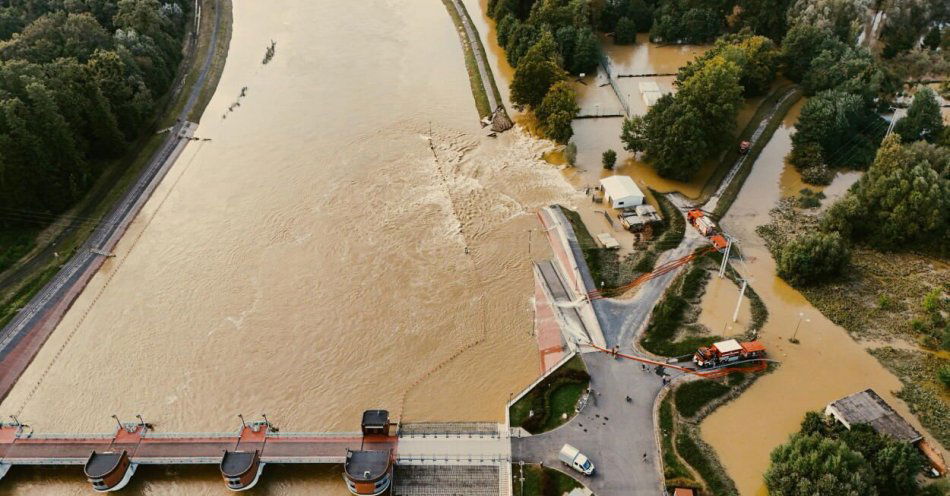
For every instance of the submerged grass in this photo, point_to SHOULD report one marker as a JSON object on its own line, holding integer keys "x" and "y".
{"x": 917, "y": 371}
{"x": 884, "y": 296}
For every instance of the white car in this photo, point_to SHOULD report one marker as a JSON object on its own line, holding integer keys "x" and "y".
{"x": 573, "y": 458}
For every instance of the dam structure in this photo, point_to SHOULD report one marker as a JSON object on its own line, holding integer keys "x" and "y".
{"x": 412, "y": 459}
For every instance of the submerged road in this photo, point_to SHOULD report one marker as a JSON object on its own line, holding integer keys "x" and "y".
{"x": 619, "y": 435}
{"x": 25, "y": 334}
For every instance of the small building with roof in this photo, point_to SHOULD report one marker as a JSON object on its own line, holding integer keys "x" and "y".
{"x": 621, "y": 192}
{"x": 866, "y": 407}
{"x": 375, "y": 422}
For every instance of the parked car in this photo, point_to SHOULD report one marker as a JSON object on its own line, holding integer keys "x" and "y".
{"x": 573, "y": 458}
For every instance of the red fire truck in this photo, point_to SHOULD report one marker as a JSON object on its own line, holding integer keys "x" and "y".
{"x": 728, "y": 351}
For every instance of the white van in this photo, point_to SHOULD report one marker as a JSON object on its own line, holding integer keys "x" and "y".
{"x": 576, "y": 460}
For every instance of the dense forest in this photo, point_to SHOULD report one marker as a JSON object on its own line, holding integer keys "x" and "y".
{"x": 79, "y": 80}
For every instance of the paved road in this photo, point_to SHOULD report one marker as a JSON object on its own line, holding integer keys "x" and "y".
{"x": 613, "y": 433}
{"x": 713, "y": 201}
{"x": 19, "y": 339}
{"x": 616, "y": 434}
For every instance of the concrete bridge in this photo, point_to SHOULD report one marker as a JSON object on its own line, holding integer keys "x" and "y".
{"x": 467, "y": 458}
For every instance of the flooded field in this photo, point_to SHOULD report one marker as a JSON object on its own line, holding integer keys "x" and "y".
{"x": 313, "y": 259}
{"x": 718, "y": 306}
{"x": 826, "y": 365}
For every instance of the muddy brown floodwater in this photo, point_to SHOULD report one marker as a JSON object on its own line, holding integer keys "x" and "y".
{"x": 313, "y": 259}
{"x": 827, "y": 365}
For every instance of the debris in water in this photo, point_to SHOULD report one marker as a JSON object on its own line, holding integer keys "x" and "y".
{"x": 270, "y": 52}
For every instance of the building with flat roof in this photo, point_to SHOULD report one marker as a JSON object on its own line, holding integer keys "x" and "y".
{"x": 621, "y": 192}
{"x": 866, "y": 407}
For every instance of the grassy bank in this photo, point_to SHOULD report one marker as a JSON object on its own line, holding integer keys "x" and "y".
{"x": 482, "y": 102}
{"x": 14, "y": 244}
{"x": 927, "y": 398}
{"x": 608, "y": 268}
{"x": 704, "y": 461}
{"x": 772, "y": 102}
{"x": 669, "y": 333}
{"x": 674, "y": 468}
{"x": 29, "y": 276}
{"x": 218, "y": 59}
{"x": 545, "y": 406}
{"x": 540, "y": 481}
{"x": 687, "y": 460}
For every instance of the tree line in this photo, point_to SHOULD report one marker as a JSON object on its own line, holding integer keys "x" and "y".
{"x": 811, "y": 42}
{"x": 79, "y": 81}
{"x": 824, "y": 457}
{"x": 695, "y": 124}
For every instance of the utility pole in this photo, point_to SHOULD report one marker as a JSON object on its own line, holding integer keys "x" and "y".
{"x": 725, "y": 256}
{"x": 735, "y": 315}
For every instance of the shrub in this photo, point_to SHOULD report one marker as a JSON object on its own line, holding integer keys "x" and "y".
{"x": 609, "y": 159}
{"x": 570, "y": 153}
{"x": 813, "y": 258}
{"x": 944, "y": 375}
{"x": 819, "y": 175}
{"x": 691, "y": 397}
{"x": 809, "y": 199}
{"x": 626, "y": 31}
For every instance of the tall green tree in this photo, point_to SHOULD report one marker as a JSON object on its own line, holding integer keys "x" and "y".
{"x": 756, "y": 56}
{"x": 813, "y": 258}
{"x": 537, "y": 71}
{"x": 843, "y": 128}
{"x": 810, "y": 464}
{"x": 902, "y": 201}
{"x": 586, "y": 52}
{"x": 893, "y": 464}
{"x": 626, "y": 31}
{"x": 556, "y": 112}
{"x": 923, "y": 119}
{"x": 681, "y": 131}
{"x": 714, "y": 92}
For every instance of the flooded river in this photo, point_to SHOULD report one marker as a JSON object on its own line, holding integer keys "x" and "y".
{"x": 827, "y": 364}
{"x": 313, "y": 259}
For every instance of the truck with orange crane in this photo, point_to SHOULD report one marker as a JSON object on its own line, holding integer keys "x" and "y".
{"x": 728, "y": 351}
{"x": 698, "y": 219}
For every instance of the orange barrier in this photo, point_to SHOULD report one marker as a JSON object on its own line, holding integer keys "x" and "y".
{"x": 657, "y": 272}
{"x": 759, "y": 366}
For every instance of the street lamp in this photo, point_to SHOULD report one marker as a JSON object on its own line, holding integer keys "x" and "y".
{"x": 801, "y": 316}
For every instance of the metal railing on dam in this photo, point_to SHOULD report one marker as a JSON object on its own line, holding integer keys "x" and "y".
{"x": 110, "y": 460}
